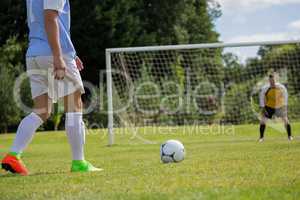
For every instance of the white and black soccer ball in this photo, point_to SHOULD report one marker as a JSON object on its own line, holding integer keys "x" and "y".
{"x": 172, "y": 151}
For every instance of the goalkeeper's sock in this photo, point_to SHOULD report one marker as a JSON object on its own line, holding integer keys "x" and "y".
{"x": 76, "y": 134}
{"x": 25, "y": 132}
{"x": 262, "y": 130}
{"x": 288, "y": 130}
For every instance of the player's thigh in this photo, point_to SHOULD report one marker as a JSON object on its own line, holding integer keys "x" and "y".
{"x": 38, "y": 77}
{"x": 265, "y": 115}
{"x": 285, "y": 119}
{"x": 282, "y": 114}
{"x": 42, "y": 106}
{"x": 71, "y": 87}
{"x": 73, "y": 102}
{"x": 263, "y": 119}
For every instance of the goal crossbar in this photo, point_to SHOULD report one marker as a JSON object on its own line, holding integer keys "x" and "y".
{"x": 198, "y": 46}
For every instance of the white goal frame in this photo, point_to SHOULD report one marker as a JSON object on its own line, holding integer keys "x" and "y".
{"x": 109, "y": 51}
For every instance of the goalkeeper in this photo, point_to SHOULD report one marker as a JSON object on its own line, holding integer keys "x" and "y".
{"x": 273, "y": 102}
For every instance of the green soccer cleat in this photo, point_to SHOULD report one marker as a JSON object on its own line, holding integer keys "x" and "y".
{"x": 83, "y": 166}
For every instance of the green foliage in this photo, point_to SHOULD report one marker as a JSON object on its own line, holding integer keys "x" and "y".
{"x": 97, "y": 117}
{"x": 107, "y": 23}
{"x": 124, "y": 23}
{"x": 179, "y": 71}
{"x": 237, "y": 104}
{"x": 283, "y": 59}
{"x": 294, "y": 107}
{"x": 279, "y": 58}
{"x": 12, "y": 20}
{"x": 11, "y": 56}
{"x": 10, "y": 67}
{"x": 57, "y": 115}
{"x": 233, "y": 69}
{"x": 9, "y": 112}
{"x": 111, "y": 23}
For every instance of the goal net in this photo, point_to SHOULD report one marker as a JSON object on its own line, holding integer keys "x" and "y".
{"x": 194, "y": 85}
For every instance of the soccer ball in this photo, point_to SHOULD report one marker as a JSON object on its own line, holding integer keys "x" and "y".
{"x": 172, "y": 151}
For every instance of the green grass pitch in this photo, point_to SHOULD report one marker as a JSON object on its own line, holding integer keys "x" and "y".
{"x": 231, "y": 165}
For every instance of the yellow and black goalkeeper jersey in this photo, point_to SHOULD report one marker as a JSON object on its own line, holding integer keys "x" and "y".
{"x": 274, "y": 97}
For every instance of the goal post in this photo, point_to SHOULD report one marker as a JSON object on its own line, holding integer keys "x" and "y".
{"x": 109, "y": 98}
{"x": 196, "y": 84}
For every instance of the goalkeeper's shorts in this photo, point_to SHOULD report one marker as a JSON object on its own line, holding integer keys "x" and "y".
{"x": 40, "y": 72}
{"x": 277, "y": 112}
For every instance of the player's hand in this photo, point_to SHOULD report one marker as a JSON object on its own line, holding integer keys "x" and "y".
{"x": 79, "y": 63}
{"x": 59, "y": 67}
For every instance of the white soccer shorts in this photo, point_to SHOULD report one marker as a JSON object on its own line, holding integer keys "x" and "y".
{"x": 40, "y": 73}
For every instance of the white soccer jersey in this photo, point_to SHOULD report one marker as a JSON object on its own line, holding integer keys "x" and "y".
{"x": 38, "y": 42}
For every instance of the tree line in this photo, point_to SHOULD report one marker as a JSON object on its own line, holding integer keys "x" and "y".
{"x": 97, "y": 25}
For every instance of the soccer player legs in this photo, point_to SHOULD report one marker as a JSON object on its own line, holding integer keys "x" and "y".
{"x": 76, "y": 132}
{"x": 262, "y": 127}
{"x": 287, "y": 125}
{"x": 12, "y": 161}
{"x": 53, "y": 69}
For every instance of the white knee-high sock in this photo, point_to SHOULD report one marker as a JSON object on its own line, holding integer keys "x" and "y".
{"x": 25, "y": 132}
{"x": 76, "y": 134}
